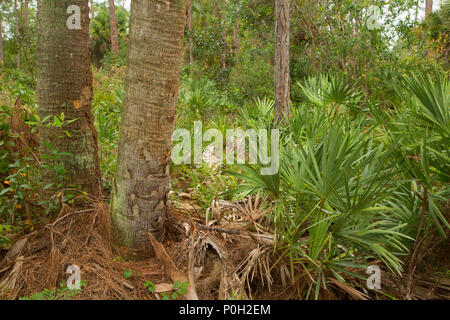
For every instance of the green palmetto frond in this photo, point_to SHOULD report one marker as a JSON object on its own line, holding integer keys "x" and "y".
{"x": 433, "y": 94}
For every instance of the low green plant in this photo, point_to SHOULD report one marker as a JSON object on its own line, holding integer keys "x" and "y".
{"x": 179, "y": 290}
{"x": 127, "y": 273}
{"x": 61, "y": 293}
{"x": 150, "y": 286}
{"x": 4, "y": 228}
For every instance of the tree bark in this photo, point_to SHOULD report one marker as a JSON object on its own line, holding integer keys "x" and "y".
{"x": 191, "y": 42}
{"x": 236, "y": 42}
{"x": 64, "y": 84}
{"x": 2, "y": 60}
{"x": 113, "y": 27}
{"x": 25, "y": 9}
{"x": 428, "y": 7}
{"x": 281, "y": 61}
{"x": 92, "y": 9}
{"x": 155, "y": 50}
{"x": 223, "y": 4}
{"x": 16, "y": 15}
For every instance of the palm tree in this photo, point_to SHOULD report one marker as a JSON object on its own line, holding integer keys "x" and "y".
{"x": 155, "y": 47}
{"x": 64, "y": 86}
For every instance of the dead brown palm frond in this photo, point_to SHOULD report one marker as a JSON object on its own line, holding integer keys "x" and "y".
{"x": 352, "y": 291}
{"x": 253, "y": 211}
{"x": 257, "y": 264}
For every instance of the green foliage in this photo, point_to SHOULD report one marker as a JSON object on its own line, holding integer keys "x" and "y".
{"x": 364, "y": 156}
{"x": 333, "y": 93}
{"x": 352, "y": 191}
{"x": 422, "y": 131}
{"x": 62, "y": 293}
{"x": 127, "y": 273}
{"x": 3, "y": 230}
{"x": 150, "y": 286}
{"x": 207, "y": 182}
{"x": 107, "y": 108}
{"x": 101, "y": 36}
{"x": 179, "y": 290}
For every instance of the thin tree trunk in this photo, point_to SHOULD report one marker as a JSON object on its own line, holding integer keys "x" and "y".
{"x": 64, "y": 84}
{"x": 204, "y": 14}
{"x": 25, "y": 38}
{"x": 236, "y": 42}
{"x": 281, "y": 63}
{"x": 191, "y": 42}
{"x": 92, "y": 9}
{"x": 2, "y": 60}
{"x": 223, "y": 4}
{"x": 113, "y": 27}
{"x": 428, "y": 7}
{"x": 16, "y": 14}
{"x": 155, "y": 49}
{"x": 25, "y": 10}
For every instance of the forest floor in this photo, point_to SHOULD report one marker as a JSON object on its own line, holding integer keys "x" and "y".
{"x": 223, "y": 259}
{"x": 82, "y": 237}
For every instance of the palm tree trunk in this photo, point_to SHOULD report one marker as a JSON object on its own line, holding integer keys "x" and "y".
{"x": 64, "y": 84}
{"x": 155, "y": 49}
{"x": 281, "y": 63}
{"x": 113, "y": 27}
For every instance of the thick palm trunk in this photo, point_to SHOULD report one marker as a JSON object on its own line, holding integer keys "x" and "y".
{"x": 428, "y": 7}
{"x": 281, "y": 67}
{"x": 191, "y": 42}
{"x": 155, "y": 48}
{"x": 64, "y": 84}
{"x": 113, "y": 27}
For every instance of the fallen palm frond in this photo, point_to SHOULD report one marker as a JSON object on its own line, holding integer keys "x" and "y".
{"x": 171, "y": 269}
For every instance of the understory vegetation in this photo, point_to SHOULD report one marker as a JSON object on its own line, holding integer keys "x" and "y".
{"x": 364, "y": 156}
